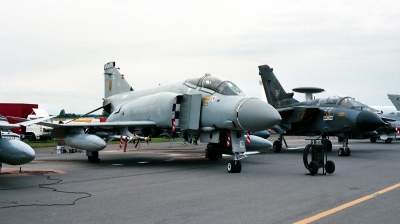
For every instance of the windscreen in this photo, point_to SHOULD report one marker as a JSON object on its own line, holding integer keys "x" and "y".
{"x": 349, "y": 102}
{"x": 216, "y": 84}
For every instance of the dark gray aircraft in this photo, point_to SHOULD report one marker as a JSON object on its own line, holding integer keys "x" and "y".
{"x": 14, "y": 151}
{"x": 390, "y": 131}
{"x": 216, "y": 109}
{"x": 338, "y": 116}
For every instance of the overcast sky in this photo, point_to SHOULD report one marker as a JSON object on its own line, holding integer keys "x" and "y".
{"x": 53, "y": 52}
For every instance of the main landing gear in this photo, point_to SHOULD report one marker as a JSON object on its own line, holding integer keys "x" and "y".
{"x": 93, "y": 157}
{"x": 277, "y": 145}
{"x": 345, "y": 151}
{"x": 213, "y": 153}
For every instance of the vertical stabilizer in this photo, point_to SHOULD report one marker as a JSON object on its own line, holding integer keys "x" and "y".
{"x": 395, "y": 98}
{"x": 114, "y": 82}
{"x": 274, "y": 92}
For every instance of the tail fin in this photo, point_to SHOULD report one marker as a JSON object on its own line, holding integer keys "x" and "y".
{"x": 274, "y": 92}
{"x": 114, "y": 82}
{"x": 395, "y": 98}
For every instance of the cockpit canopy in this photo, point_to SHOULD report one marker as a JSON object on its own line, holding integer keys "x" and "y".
{"x": 341, "y": 101}
{"x": 213, "y": 83}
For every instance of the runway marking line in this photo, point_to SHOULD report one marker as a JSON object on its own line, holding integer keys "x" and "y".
{"x": 347, "y": 205}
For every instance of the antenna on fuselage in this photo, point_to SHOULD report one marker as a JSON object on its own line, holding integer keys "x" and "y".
{"x": 308, "y": 91}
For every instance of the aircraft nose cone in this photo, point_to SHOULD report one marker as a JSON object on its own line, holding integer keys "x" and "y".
{"x": 16, "y": 152}
{"x": 368, "y": 121}
{"x": 29, "y": 155}
{"x": 256, "y": 115}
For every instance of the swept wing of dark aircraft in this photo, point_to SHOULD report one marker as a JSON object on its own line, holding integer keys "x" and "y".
{"x": 338, "y": 116}
{"x": 215, "y": 108}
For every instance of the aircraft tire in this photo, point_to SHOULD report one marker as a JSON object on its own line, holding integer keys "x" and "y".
{"x": 238, "y": 166}
{"x": 372, "y": 140}
{"x": 94, "y": 158}
{"x": 305, "y": 155}
{"x": 341, "y": 152}
{"x": 348, "y": 152}
{"x": 330, "y": 166}
{"x": 388, "y": 140}
{"x": 313, "y": 167}
{"x": 277, "y": 146}
{"x": 231, "y": 167}
{"x": 213, "y": 156}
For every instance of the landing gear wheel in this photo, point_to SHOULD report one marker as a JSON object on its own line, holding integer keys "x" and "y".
{"x": 234, "y": 166}
{"x": 238, "y": 166}
{"x": 388, "y": 140}
{"x": 372, "y": 139}
{"x": 340, "y": 152}
{"x": 347, "y": 152}
{"x": 94, "y": 158}
{"x": 277, "y": 146}
{"x": 213, "y": 156}
{"x": 313, "y": 167}
{"x": 330, "y": 166}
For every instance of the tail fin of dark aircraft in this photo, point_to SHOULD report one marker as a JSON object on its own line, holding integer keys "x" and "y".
{"x": 114, "y": 82}
{"x": 274, "y": 92}
{"x": 395, "y": 98}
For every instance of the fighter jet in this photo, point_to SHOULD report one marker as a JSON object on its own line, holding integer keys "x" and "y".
{"x": 13, "y": 151}
{"x": 339, "y": 116}
{"x": 215, "y": 108}
{"x": 390, "y": 131}
{"x": 395, "y": 98}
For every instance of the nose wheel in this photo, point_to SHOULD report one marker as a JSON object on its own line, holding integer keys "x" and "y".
{"x": 345, "y": 151}
{"x": 234, "y": 166}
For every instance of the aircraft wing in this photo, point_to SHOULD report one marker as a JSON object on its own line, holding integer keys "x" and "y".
{"x": 387, "y": 119}
{"x": 9, "y": 126}
{"x": 284, "y": 109}
{"x": 105, "y": 124}
{"x": 297, "y": 113}
{"x": 86, "y": 125}
{"x": 24, "y": 122}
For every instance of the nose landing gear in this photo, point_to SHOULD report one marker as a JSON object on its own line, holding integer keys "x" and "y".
{"x": 345, "y": 151}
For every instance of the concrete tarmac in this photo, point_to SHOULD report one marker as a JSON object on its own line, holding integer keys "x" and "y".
{"x": 163, "y": 184}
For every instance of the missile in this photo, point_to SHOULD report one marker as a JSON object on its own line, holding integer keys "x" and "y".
{"x": 263, "y": 134}
{"x": 15, "y": 152}
{"x": 91, "y": 143}
{"x": 257, "y": 143}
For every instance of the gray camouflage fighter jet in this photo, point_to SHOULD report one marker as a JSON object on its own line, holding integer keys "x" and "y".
{"x": 338, "y": 116}
{"x": 216, "y": 109}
